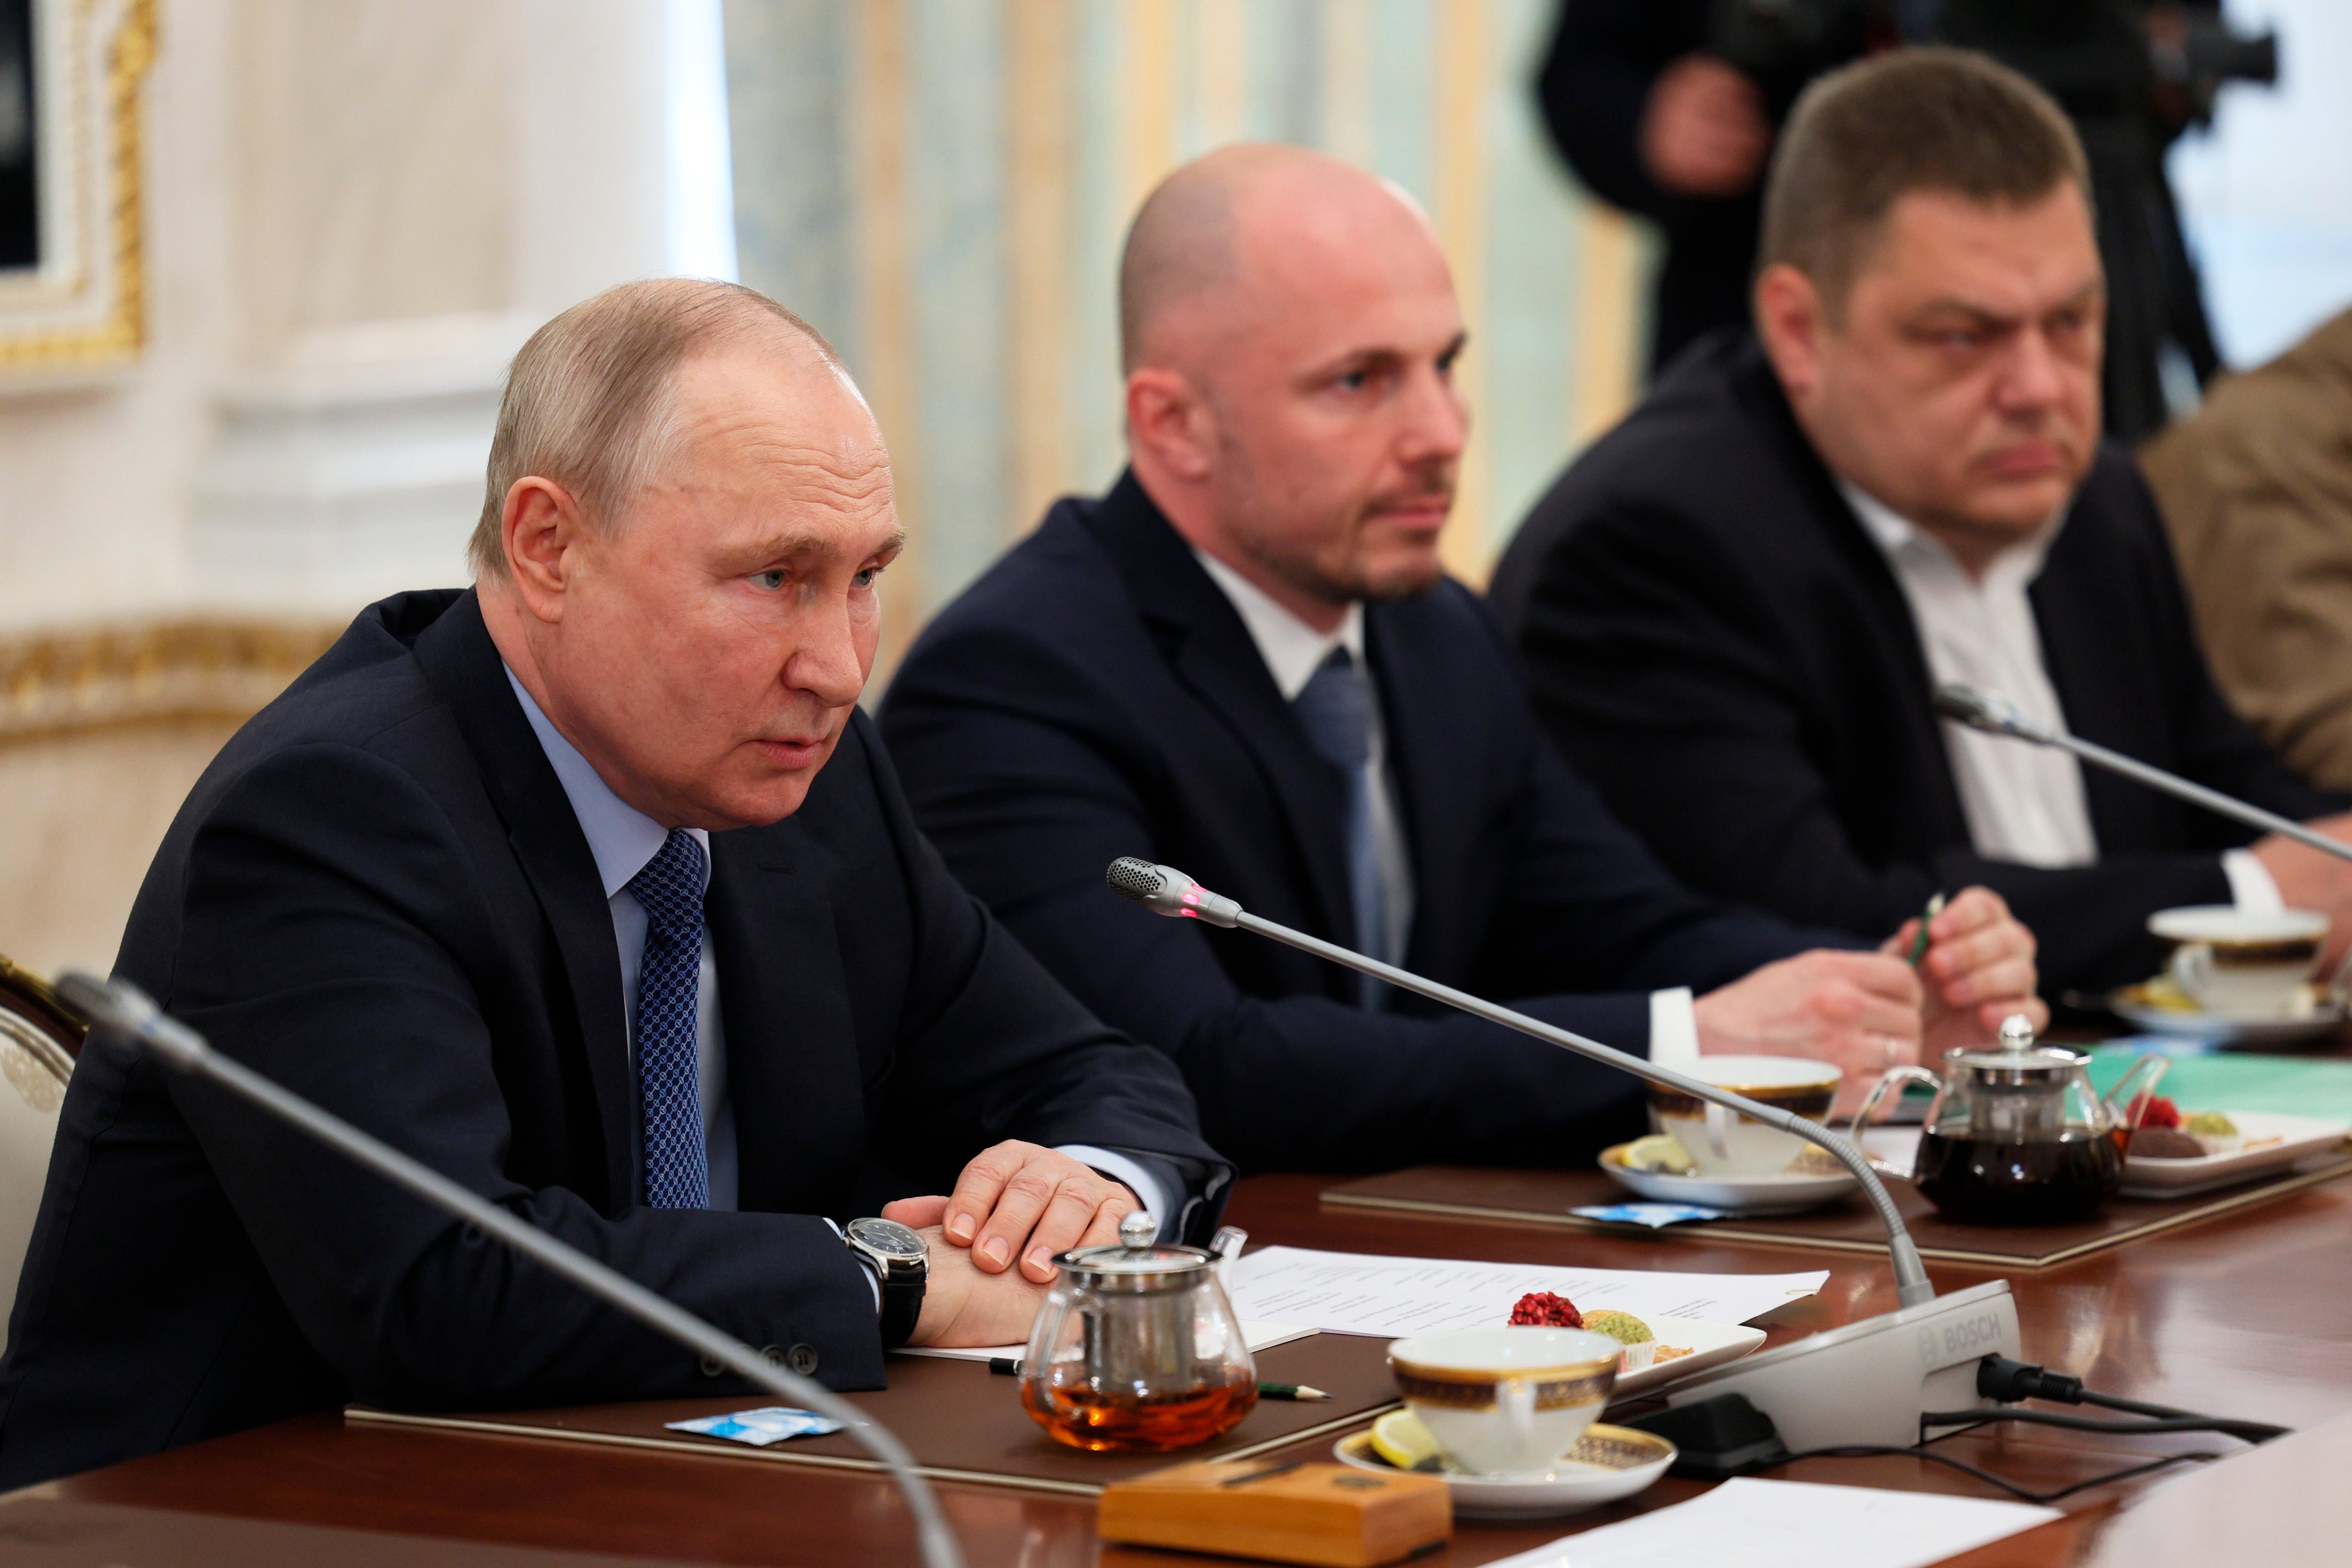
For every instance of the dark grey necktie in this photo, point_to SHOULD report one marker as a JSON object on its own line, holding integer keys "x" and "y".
{"x": 1335, "y": 709}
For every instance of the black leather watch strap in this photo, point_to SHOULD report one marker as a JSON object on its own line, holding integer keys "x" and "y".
{"x": 895, "y": 1256}
{"x": 902, "y": 1306}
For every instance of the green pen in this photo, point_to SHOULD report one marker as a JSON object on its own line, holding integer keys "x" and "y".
{"x": 1919, "y": 944}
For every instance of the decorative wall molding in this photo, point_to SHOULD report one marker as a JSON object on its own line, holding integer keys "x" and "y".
{"x": 80, "y": 680}
{"x": 357, "y": 470}
{"x": 84, "y": 307}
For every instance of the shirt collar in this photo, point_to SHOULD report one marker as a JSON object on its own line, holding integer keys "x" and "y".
{"x": 1897, "y": 535}
{"x": 622, "y": 838}
{"x": 1293, "y": 650}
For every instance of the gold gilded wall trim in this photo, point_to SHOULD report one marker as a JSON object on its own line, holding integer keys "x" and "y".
{"x": 120, "y": 335}
{"x": 66, "y": 683}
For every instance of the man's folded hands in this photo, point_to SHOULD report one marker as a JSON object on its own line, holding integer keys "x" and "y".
{"x": 1014, "y": 1200}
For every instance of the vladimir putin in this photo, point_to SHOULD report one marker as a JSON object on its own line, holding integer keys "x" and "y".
{"x": 591, "y": 888}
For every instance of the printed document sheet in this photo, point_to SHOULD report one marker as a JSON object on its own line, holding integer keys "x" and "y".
{"x": 1361, "y": 1293}
{"x": 1792, "y": 1524}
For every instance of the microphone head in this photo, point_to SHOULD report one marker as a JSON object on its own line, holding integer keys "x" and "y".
{"x": 1964, "y": 704}
{"x": 1988, "y": 711}
{"x": 116, "y": 1006}
{"x": 1164, "y": 890}
{"x": 1131, "y": 877}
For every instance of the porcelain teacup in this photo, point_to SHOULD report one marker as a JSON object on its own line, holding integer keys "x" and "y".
{"x": 2240, "y": 962}
{"x": 1725, "y": 1145}
{"x": 1506, "y": 1401}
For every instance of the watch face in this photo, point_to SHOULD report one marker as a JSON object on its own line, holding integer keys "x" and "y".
{"x": 888, "y": 1238}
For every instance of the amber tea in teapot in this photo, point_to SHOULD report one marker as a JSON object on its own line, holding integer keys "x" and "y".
{"x": 2017, "y": 1136}
{"x": 2019, "y": 1184}
{"x": 1137, "y": 1347}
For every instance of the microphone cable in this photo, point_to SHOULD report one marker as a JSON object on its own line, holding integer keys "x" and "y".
{"x": 2005, "y": 1381}
{"x": 2002, "y": 1379}
{"x": 2024, "y": 1494}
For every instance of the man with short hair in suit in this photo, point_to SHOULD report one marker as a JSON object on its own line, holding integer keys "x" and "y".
{"x": 591, "y": 888}
{"x": 1244, "y": 661}
{"x": 1736, "y": 607}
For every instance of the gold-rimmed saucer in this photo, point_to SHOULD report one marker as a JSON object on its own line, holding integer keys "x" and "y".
{"x": 1606, "y": 1463}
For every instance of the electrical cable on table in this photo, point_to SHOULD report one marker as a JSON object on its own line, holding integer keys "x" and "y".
{"x": 2026, "y": 1494}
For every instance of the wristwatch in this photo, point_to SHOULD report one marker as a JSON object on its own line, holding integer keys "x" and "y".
{"x": 903, "y": 1266}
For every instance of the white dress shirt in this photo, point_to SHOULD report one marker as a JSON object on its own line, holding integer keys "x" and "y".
{"x": 2023, "y": 803}
{"x": 622, "y": 840}
{"x": 1293, "y": 652}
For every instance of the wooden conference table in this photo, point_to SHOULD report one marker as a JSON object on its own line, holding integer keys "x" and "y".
{"x": 2244, "y": 1315}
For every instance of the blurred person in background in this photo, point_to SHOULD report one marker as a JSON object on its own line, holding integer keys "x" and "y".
{"x": 2132, "y": 75}
{"x": 1736, "y": 607}
{"x": 1668, "y": 107}
{"x": 2256, "y": 490}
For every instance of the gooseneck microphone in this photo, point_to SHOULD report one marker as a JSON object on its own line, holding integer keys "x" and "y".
{"x": 121, "y": 1014}
{"x": 1867, "y": 1382}
{"x": 1167, "y": 890}
{"x": 1995, "y": 714}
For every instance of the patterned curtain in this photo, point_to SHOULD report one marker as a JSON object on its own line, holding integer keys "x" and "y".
{"x": 941, "y": 187}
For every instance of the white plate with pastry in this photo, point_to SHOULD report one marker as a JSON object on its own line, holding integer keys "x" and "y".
{"x": 1701, "y": 1343}
{"x": 2259, "y": 1141}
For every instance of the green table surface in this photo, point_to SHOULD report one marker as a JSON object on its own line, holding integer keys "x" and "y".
{"x": 2203, "y": 1079}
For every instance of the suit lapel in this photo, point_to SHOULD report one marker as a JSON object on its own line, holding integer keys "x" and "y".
{"x": 463, "y": 663}
{"x": 1214, "y": 654}
{"x": 782, "y": 988}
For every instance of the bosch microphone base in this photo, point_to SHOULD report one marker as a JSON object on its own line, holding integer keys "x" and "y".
{"x": 1869, "y": 1382}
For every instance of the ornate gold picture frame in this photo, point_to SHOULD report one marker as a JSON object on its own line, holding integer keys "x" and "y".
{"x": 80, "y": 303}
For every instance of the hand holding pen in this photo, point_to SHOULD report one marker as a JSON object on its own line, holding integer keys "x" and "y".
{"x": 1975, "y": 961}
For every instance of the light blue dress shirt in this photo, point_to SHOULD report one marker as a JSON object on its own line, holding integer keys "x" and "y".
{"x": 621, "y": 840}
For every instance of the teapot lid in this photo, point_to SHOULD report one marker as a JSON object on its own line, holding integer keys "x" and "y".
{"x": 1135, "y": 1255}
{"x": 2019, "y": 1061}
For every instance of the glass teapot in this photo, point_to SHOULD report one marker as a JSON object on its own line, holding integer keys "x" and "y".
{"x": 2017, "y": 1136}
{"x": 1137, "y": 1347}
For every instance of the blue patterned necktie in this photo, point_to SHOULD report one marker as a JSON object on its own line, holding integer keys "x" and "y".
{"x": 669, "y": 985}
{"x": 1336, "y": 707}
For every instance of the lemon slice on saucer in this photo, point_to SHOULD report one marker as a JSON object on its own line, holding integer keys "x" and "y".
{"x": 1401, "y": 1439}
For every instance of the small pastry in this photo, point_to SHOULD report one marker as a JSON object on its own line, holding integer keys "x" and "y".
{"x": 2164, "y": 1143}
{"x": 1622, "y": 1327}
{"x": 1541, "y": 1308}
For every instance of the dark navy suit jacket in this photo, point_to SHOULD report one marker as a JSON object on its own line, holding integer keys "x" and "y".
{"x": 1094, "y": 695}
{"x": 378, "y": 895}
{"x": 1711, "y": 636}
